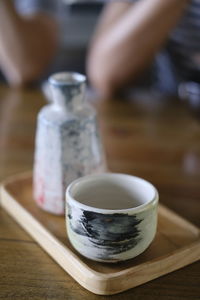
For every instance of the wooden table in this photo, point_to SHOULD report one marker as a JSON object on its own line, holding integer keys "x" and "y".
{"x": 154, "y": 138}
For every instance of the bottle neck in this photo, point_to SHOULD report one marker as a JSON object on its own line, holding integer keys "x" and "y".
{"x": 67, "y": 91}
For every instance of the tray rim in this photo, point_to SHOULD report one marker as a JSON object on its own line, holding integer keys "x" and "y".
{"x": 86, "y": 276}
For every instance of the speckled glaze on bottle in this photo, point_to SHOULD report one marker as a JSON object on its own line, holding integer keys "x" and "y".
{"x": 67, "y": 143}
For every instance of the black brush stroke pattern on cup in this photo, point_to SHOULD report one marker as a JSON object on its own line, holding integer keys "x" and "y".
{"x": 113, "y": 233}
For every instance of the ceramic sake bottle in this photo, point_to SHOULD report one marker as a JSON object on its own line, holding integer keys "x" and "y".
{"x": 67, "y": 142}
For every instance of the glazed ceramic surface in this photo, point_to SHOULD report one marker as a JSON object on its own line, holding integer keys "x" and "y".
{"x": 67, "y": 142}
{"x": 111, "y": 217}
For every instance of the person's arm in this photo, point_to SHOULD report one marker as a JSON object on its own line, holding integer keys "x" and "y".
{"x": 122, "y": 48}
{"x": 27, "y": 44}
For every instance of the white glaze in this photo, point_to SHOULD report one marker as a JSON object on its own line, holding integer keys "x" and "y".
{"x": 67, "y": 142}
{"x": 102, "y": 232}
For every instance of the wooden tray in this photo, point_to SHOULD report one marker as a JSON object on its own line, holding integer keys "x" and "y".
{"x": 177, "y": 243}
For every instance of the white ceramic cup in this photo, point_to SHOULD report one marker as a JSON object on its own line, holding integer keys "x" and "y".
{"x": 111, "y": 217}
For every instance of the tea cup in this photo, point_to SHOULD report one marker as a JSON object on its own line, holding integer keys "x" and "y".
{"x": 111, "y": 217}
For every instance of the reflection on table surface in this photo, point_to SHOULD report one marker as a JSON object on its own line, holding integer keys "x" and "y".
{"x": 157, "y": 139}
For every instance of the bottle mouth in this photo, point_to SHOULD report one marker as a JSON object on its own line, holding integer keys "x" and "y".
{"x": 67, "y": 78}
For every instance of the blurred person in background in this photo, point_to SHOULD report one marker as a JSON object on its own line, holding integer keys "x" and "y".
{"x": 38, "y": 37}
{"x": 155, "y": 40}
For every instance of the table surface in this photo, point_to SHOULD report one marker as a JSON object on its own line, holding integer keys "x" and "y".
{"x": 157, "y": 139}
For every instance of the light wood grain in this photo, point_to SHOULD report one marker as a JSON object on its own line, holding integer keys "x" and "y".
{"x": 157, "y": 140}
{"x": 176, "y": 244}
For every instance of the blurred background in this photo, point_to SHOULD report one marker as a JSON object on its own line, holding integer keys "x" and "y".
{"x": 38, "y": 38}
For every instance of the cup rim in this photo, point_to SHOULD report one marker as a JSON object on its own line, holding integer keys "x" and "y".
{"x": 139, "y": 208}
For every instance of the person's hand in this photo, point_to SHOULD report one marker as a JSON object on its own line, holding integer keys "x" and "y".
{"x": 27, "y": 44}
